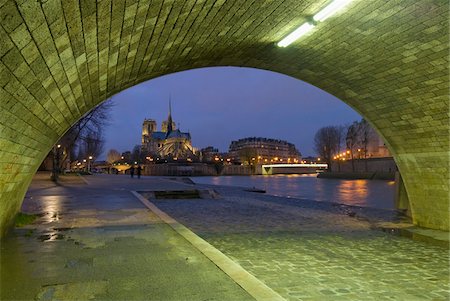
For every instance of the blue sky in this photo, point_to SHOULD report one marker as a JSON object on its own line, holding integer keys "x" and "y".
{"x": 221, "y": 104}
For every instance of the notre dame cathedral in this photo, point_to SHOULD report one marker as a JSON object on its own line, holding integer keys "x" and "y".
{"x": 168, "y": 144}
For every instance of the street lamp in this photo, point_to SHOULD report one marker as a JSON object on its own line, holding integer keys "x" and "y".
{"x": 56, "y": 158}
{"x": 89, "y": 163}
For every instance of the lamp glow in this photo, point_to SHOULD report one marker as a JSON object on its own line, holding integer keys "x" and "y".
{"x": 332, "y": 8}
{"x": 302, "y": 30}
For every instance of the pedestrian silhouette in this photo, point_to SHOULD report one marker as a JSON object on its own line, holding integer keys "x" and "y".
{"x": 132, "y": 171}
{"x": 139, "y": 169}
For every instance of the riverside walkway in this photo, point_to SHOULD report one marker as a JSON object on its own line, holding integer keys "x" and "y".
{"x": 98, "y": 240}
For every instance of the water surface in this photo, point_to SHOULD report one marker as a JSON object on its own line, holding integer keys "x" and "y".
{"x": 367, "y": 193}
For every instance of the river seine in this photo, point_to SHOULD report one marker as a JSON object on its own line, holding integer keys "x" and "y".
{"x": 367, "y": 193}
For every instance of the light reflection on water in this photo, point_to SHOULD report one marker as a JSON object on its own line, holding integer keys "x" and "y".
{"x": 52, "y": 205}
{"x": 367, "y": 193}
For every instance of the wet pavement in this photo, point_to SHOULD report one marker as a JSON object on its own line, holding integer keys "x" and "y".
{"x": 98, "y": 241}
{"x": 317, "y": 251}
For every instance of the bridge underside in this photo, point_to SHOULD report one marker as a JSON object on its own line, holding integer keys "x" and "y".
{"x": 386, "y": 59}
{"x": 270, "y": 169}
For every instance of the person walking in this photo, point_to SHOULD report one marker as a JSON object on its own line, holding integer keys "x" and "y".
{"x": 139, "y": 169}
{"x": 132, "y": 171}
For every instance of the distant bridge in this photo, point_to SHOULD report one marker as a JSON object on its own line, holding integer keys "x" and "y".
{"x": 268, "y": 169}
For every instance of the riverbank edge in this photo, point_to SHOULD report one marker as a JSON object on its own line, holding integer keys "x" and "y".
{"x": 377, "y": 175}
{"x": 409, "y": 230}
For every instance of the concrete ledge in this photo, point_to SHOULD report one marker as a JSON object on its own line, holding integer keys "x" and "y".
{"x": 431, "y": 236}
{"x": 247, "y": 281}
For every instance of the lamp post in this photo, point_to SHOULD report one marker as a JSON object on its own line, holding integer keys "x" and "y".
{"x": 89, "y": 163}
{"x": 56, "y": 158}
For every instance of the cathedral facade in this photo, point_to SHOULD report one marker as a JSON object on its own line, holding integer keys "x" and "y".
{"x": 169, "y": 144}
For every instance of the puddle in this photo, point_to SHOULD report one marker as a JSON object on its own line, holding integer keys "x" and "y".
{"x": 50, "y": 237}
{"x": 180, "y": 194}
{"x": 63, "y": 229}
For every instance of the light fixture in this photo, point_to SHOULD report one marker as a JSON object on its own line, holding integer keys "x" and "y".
{"x": 302, "y": 30}
{"x": 329, "y": 10}
{"x": 321, "y": 16}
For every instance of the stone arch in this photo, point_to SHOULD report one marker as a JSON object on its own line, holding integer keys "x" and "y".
{"x": 387, "y": 59}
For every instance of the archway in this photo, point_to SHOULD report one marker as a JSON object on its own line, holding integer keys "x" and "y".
{"x": 388, "y": 60}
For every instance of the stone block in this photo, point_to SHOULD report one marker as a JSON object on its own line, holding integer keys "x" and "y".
{"x": 21, "y": 36}
{"x": 10, "y": 17}
{"x": 32, "y": 14}
{"x": 30, "y": 53}
{"x": 387, "y": 59}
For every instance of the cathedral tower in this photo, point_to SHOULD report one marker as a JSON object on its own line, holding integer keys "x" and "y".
{"x": 148, "y": 127}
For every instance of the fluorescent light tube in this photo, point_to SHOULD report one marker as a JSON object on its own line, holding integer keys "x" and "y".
{"x": 295, "y": 34}
{"x": 330, "y": 10}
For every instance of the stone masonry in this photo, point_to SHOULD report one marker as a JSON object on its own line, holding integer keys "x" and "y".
{"x": 386, "y": 59}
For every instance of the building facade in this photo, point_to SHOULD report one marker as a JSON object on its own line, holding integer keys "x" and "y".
{"x": 169, "y": 144}
{"x": 263, "y": 150}
{"x": 209, "y": 154}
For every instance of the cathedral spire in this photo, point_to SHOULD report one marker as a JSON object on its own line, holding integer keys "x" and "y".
{"x": 169, "y": 119}
{"x": 170, "y": 105}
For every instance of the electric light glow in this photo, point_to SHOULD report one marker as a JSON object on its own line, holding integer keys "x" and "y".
{"x": 296, "y": 165}
{"x": 296, "y": 34}
{"x": 321, "y": 16}
{"x": 330, "y": 10}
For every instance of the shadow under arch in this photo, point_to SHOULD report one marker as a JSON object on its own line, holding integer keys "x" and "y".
{"x": 393, "y": 71}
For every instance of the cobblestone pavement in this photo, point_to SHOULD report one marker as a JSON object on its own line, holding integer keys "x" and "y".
{"x": 307, "y": 250}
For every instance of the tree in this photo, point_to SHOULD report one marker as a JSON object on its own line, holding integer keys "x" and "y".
{"x": 91, "y": 145}
{"x": 327, "y": 142}
{"x": 352, "y": 140}
{"x": 84, "y": 138}
{"x": 112, "y": 156}
{"x": 340, "y": 130}
{"x": 138, "y": 154}
{"x": 358, "y": 138}
{"x": 365, "y": 136}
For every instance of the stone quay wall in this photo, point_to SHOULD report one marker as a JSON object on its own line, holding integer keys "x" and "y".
{"x": 194, "y": 169}
{"x": 372, "y": 169}
{"x": 386, "y": 164}
{"x": 169, "y": 169}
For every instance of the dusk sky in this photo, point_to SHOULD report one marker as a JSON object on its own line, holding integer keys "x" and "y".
{"x": 221, "y": 104}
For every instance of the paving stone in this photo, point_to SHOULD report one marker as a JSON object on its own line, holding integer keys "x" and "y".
{"x": 387, "y": 59}
{"x": 307, "y": 250}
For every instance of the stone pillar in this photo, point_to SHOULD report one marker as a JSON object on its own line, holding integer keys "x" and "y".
{"x": 401, "y": 196}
